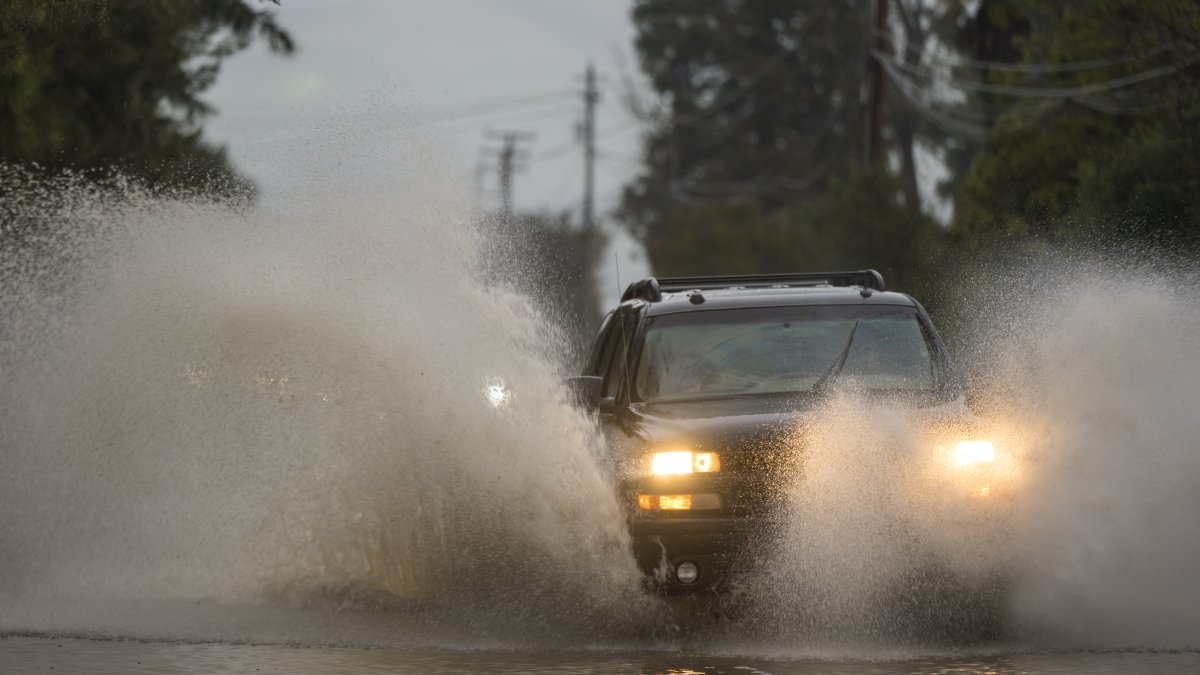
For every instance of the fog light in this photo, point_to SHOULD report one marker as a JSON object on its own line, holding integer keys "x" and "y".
{"x": 699, "y": 502}
{"x": 675, "y": 502}
{"x": 687, "y": 573}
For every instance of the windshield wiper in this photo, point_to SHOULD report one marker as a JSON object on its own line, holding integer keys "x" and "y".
{"x": 839, "y": 363}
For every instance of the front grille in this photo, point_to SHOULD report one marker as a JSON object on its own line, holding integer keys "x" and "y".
{"x": 767, "y": 465}
{"x": 755, "y": 498}
{"x": 761, "y": 475}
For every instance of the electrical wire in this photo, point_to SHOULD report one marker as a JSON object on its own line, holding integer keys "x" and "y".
{"x": 507, "y": 101}
{"x": 1035, "y": 92}
{"x": 542, "y": 107}
{"x": 959, "y": 122}
{"x": 534, "y": 110}
{"x": 608, "y": 132}
{"x": 1035, "y": 68}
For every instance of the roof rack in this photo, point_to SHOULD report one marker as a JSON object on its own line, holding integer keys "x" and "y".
{"x": 651, "y": 289}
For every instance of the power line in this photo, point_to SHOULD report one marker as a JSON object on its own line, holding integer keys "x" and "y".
{"x": 552, "y": 107}
{"x": 507, "y": 101}
{"x": 613, "y": 158}
{"x": 1036, "y": 68}
{"x": 1034, "y": 92}
{"x": 539, "y": 110}
{"x": 612, "y": 131}
{"x": 975, "y": 121}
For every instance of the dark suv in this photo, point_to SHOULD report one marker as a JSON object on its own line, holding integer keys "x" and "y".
{"x": 696, "y": 380}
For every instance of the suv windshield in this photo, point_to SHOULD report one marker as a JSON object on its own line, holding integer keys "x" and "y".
{"x": 780, "y": 350}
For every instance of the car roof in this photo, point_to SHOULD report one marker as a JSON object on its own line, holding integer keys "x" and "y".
{"x": 784, "y": 296}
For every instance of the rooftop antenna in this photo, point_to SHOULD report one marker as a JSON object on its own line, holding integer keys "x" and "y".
{"x": 617, "y": 266}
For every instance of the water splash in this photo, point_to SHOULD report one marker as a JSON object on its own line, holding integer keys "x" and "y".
{"x": 1099, "y": 389}
{"x": 328, "y": 408}
{"x": 209, "y": 403}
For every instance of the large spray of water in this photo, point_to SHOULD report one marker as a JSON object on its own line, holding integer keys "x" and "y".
{"x": 202, "y": 403}
{"x": 331, "y": 409}
{"x": 1097, "y": 390}
{"x": 1086, "y": 380}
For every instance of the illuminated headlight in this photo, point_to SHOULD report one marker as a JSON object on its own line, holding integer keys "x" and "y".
{"x": 496, "y": 393}
{"x": 974, "y": 452}
{"x": 680, "y": 462}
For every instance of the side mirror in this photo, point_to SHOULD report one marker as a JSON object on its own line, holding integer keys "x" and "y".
{"x": 584, "y": 391}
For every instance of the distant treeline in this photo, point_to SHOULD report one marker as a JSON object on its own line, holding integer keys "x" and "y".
{"x": 1007, "y": 125}
{"x": 98, "y": 87}
{"x": 1036, "y": 123}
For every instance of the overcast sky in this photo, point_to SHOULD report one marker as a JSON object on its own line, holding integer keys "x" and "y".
{"x": 425, "y": 73}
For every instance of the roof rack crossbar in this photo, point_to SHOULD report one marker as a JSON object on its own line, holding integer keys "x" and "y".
{"x": 651, "y": 289}
{"x": 865, "y": 278}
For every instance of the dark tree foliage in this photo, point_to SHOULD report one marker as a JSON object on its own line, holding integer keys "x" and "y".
{"x": 760, "y": 100}
{"x": 984, "y": 33}
{"x": 753, "y": 159}
{"x": 1118, "y": 159}
{"x": 102, "y": 86}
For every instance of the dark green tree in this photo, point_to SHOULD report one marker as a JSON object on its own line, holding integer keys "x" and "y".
{"x": 114, "y": 85}
{"x": 753, "y": 160}
{"x": 1117, "y": 159}
{"x": 759, "y": 100}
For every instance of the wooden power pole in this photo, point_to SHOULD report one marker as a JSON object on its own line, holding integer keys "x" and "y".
{"x": 591, "y": 96}
{"x": 509, "y": 159}
{"x": 873, "y": 152}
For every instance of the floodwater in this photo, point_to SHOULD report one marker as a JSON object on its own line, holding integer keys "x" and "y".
{"x": 68, "y": 655}
{"x": 329, "y": 440}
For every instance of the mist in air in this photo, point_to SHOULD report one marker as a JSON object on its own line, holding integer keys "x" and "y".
{"x": 227, "y": 422}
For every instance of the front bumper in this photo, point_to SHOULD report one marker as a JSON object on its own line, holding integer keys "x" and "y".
{"x": 716, "y": 546}
{"x": 716, "y": 541}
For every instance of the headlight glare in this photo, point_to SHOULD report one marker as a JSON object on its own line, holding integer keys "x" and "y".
{"x": 974, "y": 452}
{"x": 683, "y": 461}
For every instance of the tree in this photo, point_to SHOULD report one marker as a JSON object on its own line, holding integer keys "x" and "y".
{"x": 753, "y": 160}
{"x": 97, "y": 86}
{"x": 1118, "y": 156}
{"x": 759, "y": 102}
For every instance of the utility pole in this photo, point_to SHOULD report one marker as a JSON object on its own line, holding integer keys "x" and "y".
{"x": 873, "y": 154}
{"x": 481, "y": 169}
{"x": 587, "y": 132}
{"x": 509, "y": 159}
{"x": 591, "y": 96}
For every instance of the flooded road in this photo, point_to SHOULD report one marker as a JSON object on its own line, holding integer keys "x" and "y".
{"x": 20, "y": 655}
{"x": 230, "y": 448}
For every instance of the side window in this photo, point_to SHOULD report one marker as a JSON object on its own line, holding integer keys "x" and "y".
{"x": 616, "y": 354}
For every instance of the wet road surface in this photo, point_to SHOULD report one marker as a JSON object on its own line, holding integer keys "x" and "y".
{"x": 71, "y": 655}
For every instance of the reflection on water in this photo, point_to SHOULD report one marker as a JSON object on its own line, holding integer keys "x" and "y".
{"x": 27, "y": 655}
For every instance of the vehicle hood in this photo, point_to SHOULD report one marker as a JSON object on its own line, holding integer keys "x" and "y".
{"x": 754, "y": 422}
